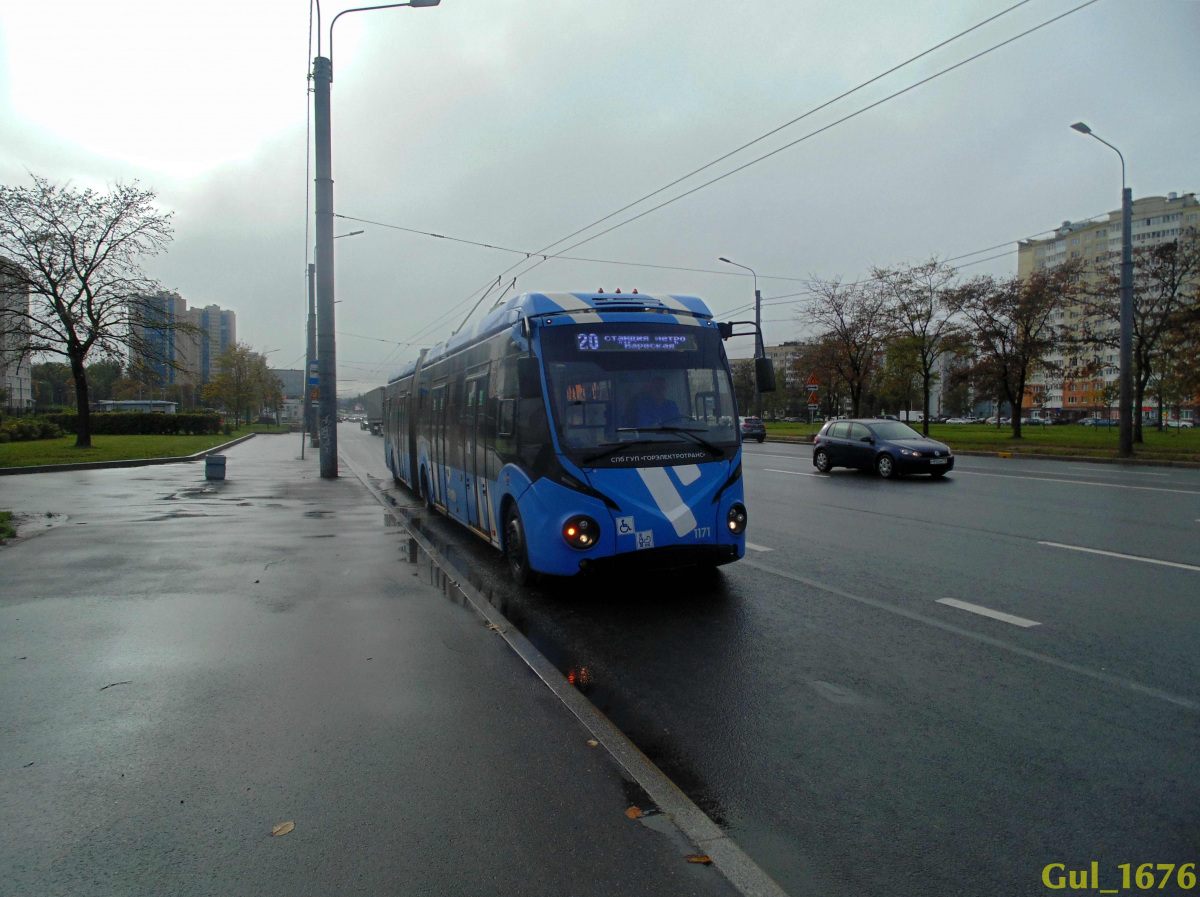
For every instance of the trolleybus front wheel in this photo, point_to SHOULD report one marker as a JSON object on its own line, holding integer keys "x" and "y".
{"x": 515, "y": 550}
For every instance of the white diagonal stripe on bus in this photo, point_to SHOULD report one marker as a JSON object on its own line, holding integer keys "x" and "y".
{"x": 687, "y": 473}
{"x": 668, "y": 499}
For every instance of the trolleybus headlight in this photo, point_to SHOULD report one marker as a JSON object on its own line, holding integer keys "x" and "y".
{"x": 581, "y": 532}
{"x": 736, "y": 518}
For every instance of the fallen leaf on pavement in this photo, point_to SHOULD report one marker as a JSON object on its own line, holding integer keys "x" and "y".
{"x": 633, "y": 812}
{"x": 698, "y": 858}
{"x": 593, "y": 742}
{"x": 282, "y": 829}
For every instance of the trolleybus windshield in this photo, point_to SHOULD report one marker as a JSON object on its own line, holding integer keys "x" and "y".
{"x": 612, "y": 384}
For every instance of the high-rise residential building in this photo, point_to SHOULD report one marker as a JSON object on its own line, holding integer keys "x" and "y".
{"x": 1088, "y": 385}
{"x": 217, "y": 331}
{"x": 16, "y": 372}
{"x": 179, "y": 356}
{"x": 171, "y": 354}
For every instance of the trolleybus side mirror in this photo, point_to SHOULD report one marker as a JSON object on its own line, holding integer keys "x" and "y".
{"x": 725, "y": 328}
{"x": 764, "y": 374}
{"x": 529, "y": 381}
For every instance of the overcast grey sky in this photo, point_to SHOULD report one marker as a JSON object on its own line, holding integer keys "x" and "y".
{"x": 514, "y": 123}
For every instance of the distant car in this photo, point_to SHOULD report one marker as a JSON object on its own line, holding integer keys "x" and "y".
{"x": 1100, "y": 422}
{"x": 753, "y": 428}
{"x": 887, "y": 447}
{"x": 959, "y": 420}
{"x": 1181, "y": 424}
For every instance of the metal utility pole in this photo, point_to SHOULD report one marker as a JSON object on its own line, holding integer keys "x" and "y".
{"x": 759, "y": 349}
{"x": 326, "y": 344}
{"x": 322, "y": 76}
{"x": 1125, "y": 397}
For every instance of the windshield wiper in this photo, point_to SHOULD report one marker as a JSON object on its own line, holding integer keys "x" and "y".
{"x": 690, "y": 432}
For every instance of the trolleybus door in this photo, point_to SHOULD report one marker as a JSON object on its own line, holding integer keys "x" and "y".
{"x": 475, "y": 453}
{"x": 439, "y": 444}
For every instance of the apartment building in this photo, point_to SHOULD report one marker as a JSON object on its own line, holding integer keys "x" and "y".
{"x": 178, "y": 356}
{"x": 16, "y": 371}
{"x": 1097, "y": 241}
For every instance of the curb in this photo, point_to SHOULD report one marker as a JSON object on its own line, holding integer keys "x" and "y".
{"x": 1038, "y": 456}
{"x": 129, "y": 462}
{"x": 746, "y": 876}
{"x": 1087, "y": 459}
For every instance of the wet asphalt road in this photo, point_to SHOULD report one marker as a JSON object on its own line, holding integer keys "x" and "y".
{"x": 856, "y": 736}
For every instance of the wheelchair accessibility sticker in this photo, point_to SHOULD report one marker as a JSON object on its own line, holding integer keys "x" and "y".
{"x": 625, "y": 526}
{"x": 645, "y": 539}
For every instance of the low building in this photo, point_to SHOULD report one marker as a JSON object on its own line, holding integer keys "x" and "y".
{"x": 152, "y": 406}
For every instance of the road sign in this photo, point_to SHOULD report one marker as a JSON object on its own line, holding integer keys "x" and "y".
{"x": 315, "y": 396}
{"x": 813, "y": 400}
{"x": 813, "y": 381}
{"x": 312, "y": 374}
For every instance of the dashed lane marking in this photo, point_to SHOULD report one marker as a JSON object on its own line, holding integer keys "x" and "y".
{"x": 1000, "y": 644}
{"x": 1013, "y": 476}
{"x": 754, "y": 547}
{"x": 795, "y": 473}
{"x": 1125, "y": 557}
{"x": 988, "y": 612}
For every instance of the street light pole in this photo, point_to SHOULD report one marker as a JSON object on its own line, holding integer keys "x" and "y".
{"x": 310, "y": 355}
{"x": 322, "y": 76}
{"x": 759, "y": 349}
{"x": 1125, "y": 398}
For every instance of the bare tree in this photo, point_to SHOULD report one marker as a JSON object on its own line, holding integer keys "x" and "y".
{"x": 852, "y": 324}
{"x": 77, "y": 253}
{"x": 1166, "y": 278}
{"x": 918, "y": 313}
{"x": 1011, "y": 323}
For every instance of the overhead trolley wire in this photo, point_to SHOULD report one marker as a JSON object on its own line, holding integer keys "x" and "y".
{"x": 716, "y": 161}
{"x": 821, "y": 130}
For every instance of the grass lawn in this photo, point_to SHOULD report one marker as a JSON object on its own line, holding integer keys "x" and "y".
{"x": 106, "y": 448}
{"x": 7, "y": 531}
{"x": 1069, "y": 439}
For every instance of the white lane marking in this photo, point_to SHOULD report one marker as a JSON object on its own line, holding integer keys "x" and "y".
{"x": 795, "y": 473}
{"x": 754, "y": 547}
{"x": 1010, "y": 476}
{"x": 988, "y": 612}
{"x": 771, "y": 454}
{"x": 1095, "y": 675}
{"x": 1126, "y": 557}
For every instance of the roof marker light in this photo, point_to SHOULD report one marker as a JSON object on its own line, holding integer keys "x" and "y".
{"x": 635, "y": 292}
{"x": 618, "y": 289}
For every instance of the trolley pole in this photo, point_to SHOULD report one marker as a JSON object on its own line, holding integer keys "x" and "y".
{"x": 326, "y": 344}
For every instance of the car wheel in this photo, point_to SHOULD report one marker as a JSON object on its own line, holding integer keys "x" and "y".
{"x": 885, "y": 466}
{"x": 821, "y": 461}
{"x": 762, "y": 439}
{"x": 515, "y": 550}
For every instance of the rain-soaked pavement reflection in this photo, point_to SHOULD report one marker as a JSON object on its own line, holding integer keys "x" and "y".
{"x": 596, "y": 629}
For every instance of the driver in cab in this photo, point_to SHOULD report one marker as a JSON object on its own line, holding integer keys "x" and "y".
{"x": 651, "y": 407}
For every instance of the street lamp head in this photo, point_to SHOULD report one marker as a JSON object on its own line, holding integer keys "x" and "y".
{"x": 1081, "y": 128}
{"x": 725, "y": 260}
{"x": 419, "y": 3}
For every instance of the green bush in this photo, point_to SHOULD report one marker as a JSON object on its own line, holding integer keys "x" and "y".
{"x": 4, "y": 437}
{"x": 141, "y": 423}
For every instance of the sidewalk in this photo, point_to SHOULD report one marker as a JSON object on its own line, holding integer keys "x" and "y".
{"x": 187, "y": 664}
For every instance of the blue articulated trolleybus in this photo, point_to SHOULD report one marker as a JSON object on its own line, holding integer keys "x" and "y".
{"x": 577, "y": 430}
